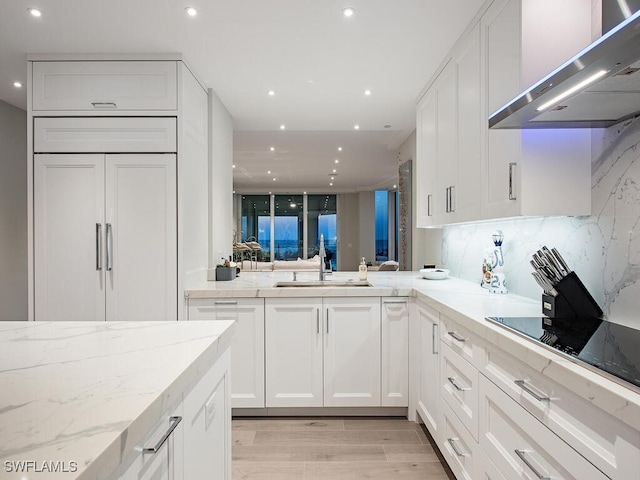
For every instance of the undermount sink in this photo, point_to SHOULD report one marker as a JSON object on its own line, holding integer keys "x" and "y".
{"x": 325, "y": 283}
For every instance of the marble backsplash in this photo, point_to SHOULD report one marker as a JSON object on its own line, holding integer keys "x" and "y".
{"x": 603, "y": 249}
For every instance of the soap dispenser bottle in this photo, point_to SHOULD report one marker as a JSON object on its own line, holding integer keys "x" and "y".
{"x": 362, "y": 270}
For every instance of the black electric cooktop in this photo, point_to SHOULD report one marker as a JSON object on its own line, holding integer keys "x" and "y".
{"x": 605, "y": 346}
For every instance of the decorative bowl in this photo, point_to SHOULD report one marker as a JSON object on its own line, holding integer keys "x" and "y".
{"x": 434, "y": 273}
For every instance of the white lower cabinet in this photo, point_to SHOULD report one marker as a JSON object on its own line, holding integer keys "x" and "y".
{"x": 192, "y": 440}
{"x": 247, "y": 354}
{"x": 521, "y": 446}
{"x": 458, "y": 447}
{"x": 428, "y": 403}
{"x": 207, "y": 428}
{"x": 293, "y": 360}
{"x": 323, "y": 352}
{"x": 159, "y": 456}
{"x": 395, "y": 352}
{"x": 459, "y": 388}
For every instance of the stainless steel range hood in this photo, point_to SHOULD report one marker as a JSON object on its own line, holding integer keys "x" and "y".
{"x": 606, "y": 80}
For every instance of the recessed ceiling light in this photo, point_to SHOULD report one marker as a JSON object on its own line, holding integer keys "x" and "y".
{"x": 339, "y": 149}
{"x": 271, "y": 93}
{"x": 304, "y": 193}
{"x": 268, "y": 172}
{"x": 334, "y": 170}
{"x": 333, "y": 178}
{"x": 367, "y": 92}
{"x": 34, "y": 12}
{"x": 348, "y": 11}
{"x": 331, "y": 184}
{"x": 394, "y": 186}
{"x": 233, "y": 166}
{"x": 274, "y": 179}
{"x": 17, "y": 84}
{"x": 272, "y": 149}
{"x": 336, "y": 161}
{"x": 282, "y": 127}
{"x": 356, "y": 127}
{"x": 191, "y": 11}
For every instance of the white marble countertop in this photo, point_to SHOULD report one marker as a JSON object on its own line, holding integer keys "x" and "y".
{"x": 462, "y": 301}
{"x": 87, "y": 392}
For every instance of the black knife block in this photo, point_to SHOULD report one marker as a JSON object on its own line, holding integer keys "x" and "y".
{"x": 573, "y": 300}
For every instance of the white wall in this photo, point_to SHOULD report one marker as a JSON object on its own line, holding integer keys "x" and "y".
{"x": 13, "y": 213}
{"x": 603, "y": 248}
{"x": 221, "y": 223}
{"x": 348, "y": 231}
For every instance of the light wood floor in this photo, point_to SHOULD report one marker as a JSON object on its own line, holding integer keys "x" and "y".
{"x": 333, "y": 449}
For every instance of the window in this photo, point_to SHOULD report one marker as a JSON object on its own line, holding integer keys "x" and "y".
{"x": 288, "y": 227}
{"x": 256, "y": 222}
{"x": 382, "y": 225}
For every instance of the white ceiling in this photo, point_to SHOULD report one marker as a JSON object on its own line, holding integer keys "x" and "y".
{"x": 318, "y": 62}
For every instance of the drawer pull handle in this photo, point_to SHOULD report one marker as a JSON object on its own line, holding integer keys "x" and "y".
{"x": 434, "y": 336}
{"x": 520, "y": 454}
{"x": 104, "y": 105}
{"x": 524, "y": 387}
{"x": 174, "y": 423}
{"x": 453, "y": 382}
{"x": 317, "y": 321}
{"x": 457, "y": 337}
{"x": 226, "y": 302}
{"x": 452, "y": 442}
{"x": 396, "y": 302}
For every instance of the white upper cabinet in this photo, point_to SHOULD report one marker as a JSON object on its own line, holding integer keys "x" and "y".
{"x": 533, "y": 172}
{"x": 466, "y": 172}
{"x": 104, "y": 86}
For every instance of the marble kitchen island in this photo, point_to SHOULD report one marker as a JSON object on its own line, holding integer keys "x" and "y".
{"x": 79, "y": 397}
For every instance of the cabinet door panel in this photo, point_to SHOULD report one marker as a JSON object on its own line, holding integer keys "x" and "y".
{"x": 105, "y": 86}
{"x": 447, "y": 87}
{"x": 68, "y": 204}
{"x": 293, "y": 343}
{"x": 247, "y": 352}
{"x": 471, "y": 123}
{"x": 352, "y": 352}
{"x": 141, "y": 237}
{"x": 395, "y": 352}
{"x": 207, "y": 425}
{"x": 427, "y": 158}
{"x": 429, "y": 400}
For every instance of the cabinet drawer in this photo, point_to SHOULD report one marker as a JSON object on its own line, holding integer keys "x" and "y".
{"x": 462, "y": 341}
{"x": 105, "y": 135}
{"x": 104, "y": 86}
{"x": 167, "y": 461}
{"x": 459, "y": 388}
{"x": 458, "y": 447}
{"x": 593, "y": 433}
{"x": 521, "y": 446}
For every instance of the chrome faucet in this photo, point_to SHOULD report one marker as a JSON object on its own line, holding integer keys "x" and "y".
{"x": 322, "y": 254}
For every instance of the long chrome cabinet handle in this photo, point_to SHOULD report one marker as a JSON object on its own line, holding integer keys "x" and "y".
{"x": 429, "y": 205}
{"x": 452, "y": 442}
{"x": 452, "y": 207}
{"x": 225, "y": 302}
{"x": 98, "y": 246}
{"x": 327, "y": 320}
{"x": 446, "y": 199}
{"x": 453, "y": 382}
{"x": 109, "y": 247}
{"x": 104, "y": 105}
{"x": 434, "y": 337}
{"x": 520, "y": 454}
{"x": 174, "y": 423}
{"x": 317, "y": 321}
{"x": 457, "y": 337}
{"x": 524, "y": 387}
{"x": 511, "y": 194}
